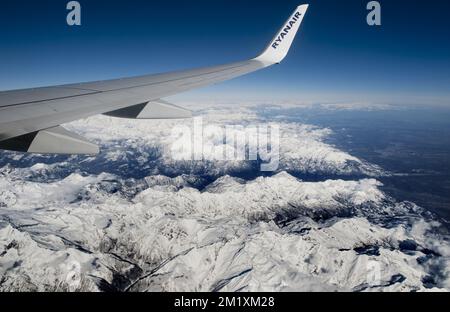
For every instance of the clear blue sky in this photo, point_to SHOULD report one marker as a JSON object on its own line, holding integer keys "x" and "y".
{"x": 336, "y": 55}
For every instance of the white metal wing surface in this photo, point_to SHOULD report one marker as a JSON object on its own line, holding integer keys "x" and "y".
{"x": 30, "y": 119}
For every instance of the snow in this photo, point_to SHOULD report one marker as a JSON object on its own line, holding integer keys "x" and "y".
{"x": 135, "y": 219}
{"x": 268, "y": 234}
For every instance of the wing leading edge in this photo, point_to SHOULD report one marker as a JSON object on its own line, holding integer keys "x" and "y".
{"x": 30, "y": 113}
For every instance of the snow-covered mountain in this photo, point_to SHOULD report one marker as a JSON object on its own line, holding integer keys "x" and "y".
{"x": 134, "y": 219}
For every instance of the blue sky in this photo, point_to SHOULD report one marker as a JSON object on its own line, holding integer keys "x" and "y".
{"x": 336, "y": 56}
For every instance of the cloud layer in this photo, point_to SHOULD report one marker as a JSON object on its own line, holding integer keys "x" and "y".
{"x": 135, "y": 219}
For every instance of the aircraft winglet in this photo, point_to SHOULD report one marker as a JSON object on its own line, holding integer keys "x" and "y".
{"x": 279, "y": 46}
{"x": 30, "y": 118}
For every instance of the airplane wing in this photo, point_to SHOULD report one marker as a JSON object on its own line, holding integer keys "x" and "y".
{"x": 30, "y": 119}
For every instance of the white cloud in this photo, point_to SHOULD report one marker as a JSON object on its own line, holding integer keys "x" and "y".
{"x": 189, "y": 232}
{"x": 302, "y": 147}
